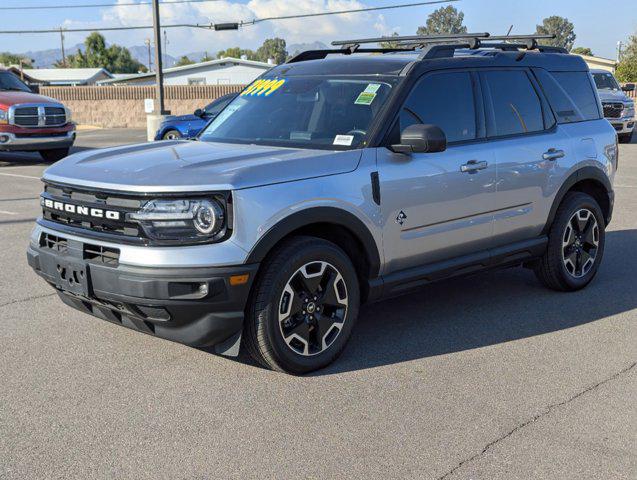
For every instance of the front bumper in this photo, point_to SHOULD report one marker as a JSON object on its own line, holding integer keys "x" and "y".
{"x": 196, "y": 306}
{"x": 623, "y": 125}
{"x": 33, "y": 142}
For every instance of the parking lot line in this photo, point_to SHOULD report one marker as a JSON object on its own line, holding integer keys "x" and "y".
{"x": 6, "y": 212}
{"x": 18, "y": 175}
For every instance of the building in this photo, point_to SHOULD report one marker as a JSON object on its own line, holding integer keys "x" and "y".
{"x": 223, "y": 71}
{"x": 600, "y": 63}
{"x": 65, "y": 77}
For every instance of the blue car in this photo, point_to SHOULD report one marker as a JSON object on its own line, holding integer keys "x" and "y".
{"x": 189, "y": 126}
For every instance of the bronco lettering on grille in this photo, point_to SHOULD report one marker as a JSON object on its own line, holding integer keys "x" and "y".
{"x": 79, "y": 209}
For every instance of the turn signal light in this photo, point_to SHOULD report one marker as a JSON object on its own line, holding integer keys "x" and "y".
{"x": 239, "y": 279}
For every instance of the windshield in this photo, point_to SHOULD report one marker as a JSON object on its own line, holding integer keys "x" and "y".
{"x": 306, "y": 112}
{"x": 605, "y": 81}
{"x": 8, "y": 81}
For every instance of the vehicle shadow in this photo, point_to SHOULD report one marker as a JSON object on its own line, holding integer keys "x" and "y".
{"x": 486, "y": 309}
{"x": 24, "y": 159}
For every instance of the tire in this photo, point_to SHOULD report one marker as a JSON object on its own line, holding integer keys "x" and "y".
{"x": 625, "y": 137}
{"x": 285, "y": 341}
{"x": 577, "y": 235}
{"x": 171, "y": 135}
{"x": 54, "y": 154}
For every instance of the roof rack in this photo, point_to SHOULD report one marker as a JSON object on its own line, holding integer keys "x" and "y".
{"x": 434, "y": 46}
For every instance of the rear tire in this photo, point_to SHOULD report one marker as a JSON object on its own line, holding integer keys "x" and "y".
{"x": 54, "y": 154}
{"x": 625, "y": 137}
{"x": 576, "y": 244}
{"x": 303, "y": 307}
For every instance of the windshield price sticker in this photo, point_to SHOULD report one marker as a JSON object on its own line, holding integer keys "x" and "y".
{"x": 345, "y": 140}
{"x": 365, "y": 98}
{"x": 372, "y": 88}
{"x": 263, "y": 87}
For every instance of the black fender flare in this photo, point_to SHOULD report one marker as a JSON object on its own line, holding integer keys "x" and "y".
{"x": 311, "y": 216}
{"x": 584, "y": 173}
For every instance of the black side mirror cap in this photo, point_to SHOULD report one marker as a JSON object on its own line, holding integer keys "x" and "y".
{"x": 629, "y": 87}
{"x": 199, "y": 112}
{"x": 35, "y": 88}
{"x": 421, "y": 138}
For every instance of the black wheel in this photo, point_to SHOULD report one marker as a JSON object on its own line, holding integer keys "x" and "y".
{"x": 576, "y": 244}
{"x": 171, "y": 135}
{"x": 54, "y": 154}
{"x": 303, "y": 308}
{"x": 625, "y": 137}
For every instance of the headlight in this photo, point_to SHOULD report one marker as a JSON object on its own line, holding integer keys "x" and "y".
{"x": 196, "y": 219}
{"x": 4, "y": 116}
{"x": 68, "y": 113}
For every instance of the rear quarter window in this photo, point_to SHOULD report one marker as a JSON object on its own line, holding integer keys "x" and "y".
{"x": 579, "y": 88}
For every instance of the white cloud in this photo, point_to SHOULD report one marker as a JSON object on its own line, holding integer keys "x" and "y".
{"x": 324, "y": 28}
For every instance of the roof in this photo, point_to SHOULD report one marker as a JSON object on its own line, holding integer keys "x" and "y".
{"x": 194, "y": 66}
{"x": 66, "y": 75}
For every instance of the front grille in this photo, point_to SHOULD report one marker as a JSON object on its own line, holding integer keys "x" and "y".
{"x": 38, "y": 116}
{"x": 613, "y": 110}
{"x": 87, "y": 202}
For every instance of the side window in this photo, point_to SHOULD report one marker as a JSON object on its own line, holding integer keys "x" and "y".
{"x": 579, "y": 88}
{"x": 516, "y": 105}
{"x": 564, "y": 107}
{"x": 445, "y": 100}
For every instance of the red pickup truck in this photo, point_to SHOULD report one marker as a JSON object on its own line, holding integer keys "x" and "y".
{"x": 31, "y": 122}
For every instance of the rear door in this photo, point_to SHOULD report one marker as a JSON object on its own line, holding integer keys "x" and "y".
{"x": 528, "y": 149}
{"x": 437, "y": 206}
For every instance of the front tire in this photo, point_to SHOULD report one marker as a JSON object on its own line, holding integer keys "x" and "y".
{"x": 54, "y": 154}
{"x": 303, "y": 307}
{"x": 171, "y": 135}
{"x": 625, "y": 137}
{"x": 576, "y": 244}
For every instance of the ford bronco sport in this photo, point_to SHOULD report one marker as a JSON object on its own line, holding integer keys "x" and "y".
{"x": 33, "y": 123}
{"x": 343, "y": 176}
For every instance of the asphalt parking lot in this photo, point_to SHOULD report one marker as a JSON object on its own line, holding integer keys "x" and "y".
{"x": 486, "y": 377}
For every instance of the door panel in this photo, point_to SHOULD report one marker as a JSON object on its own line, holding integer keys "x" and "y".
{"x": 447, "y": 212}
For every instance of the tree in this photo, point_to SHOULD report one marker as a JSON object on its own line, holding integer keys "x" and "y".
{"x": 627, "y": 69}
{"x": 582, "y": 51}
{"x": 443, "y": 20}
{"x": 183, "y": 61}
{"x": 206, "y": 57}
{"x": 563, "y": 30}
{"x": 390, "y": 43}
{"x": 96, "y": 54}
{"x": 236, "y": 52}
{"x": 274, "y": 48}
{"x": 7, "y": 59}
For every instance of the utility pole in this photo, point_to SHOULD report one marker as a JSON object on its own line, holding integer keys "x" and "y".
{"x": 148, "y": 44}
{"x": 159, "y": 74}
{"x": 63, "y": 52}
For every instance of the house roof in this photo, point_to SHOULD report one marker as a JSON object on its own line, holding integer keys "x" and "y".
{"x": 194, "y": 66}
{"x": 600, "y": 60}
{"x": 66, "y": 75}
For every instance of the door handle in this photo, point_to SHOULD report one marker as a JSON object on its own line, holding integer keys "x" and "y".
{"x": 553, "y": 154}
{"x": 473, "y": 166}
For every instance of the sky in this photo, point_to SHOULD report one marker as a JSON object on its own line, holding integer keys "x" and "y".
{"x": 599, "y": 24}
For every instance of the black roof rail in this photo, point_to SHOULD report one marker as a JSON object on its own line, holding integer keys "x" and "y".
{"x": 434, "y": 46}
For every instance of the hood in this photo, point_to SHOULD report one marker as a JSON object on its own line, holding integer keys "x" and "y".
{"x": 8, "y": 99}
{"x": 612, "y": 96}
{"x": 184, "y": 166}
{"x": 182, "y": 118}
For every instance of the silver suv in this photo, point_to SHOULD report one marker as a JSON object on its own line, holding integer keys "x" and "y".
{"x": 343, "y": 176}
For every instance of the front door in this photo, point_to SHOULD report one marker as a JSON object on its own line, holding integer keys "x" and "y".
{"x": 437, "y": 206}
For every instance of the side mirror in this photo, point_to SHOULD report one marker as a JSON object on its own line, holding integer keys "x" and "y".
{"x": 421, "y": 138}
{"x": 199, "y": 112}
{"x": 35, "y": 88}
{"x": 629, "y": 87}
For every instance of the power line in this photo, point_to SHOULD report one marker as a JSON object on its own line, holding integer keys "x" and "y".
{"x": 212, "y": 26}
{"x": 100, "y": 5}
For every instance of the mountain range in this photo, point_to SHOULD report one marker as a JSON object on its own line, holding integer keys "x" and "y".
{"x": 48, "y": 58}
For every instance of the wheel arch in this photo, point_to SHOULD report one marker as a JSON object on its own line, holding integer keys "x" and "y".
{"x": 590, "y": 180}
{"x": 329, "y": 223}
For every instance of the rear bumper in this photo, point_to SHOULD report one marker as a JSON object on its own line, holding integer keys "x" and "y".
{"x": 33, "y": 142}
{"x": 194, "y": 306}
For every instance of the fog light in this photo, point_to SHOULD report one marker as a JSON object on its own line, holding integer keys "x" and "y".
{"x": 4, "y": 138}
